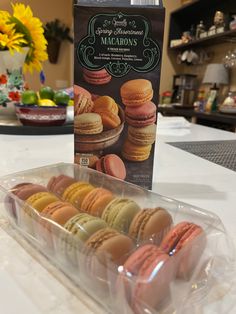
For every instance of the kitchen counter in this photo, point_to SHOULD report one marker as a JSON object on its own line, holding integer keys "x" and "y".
{"x": 177, "y": 174}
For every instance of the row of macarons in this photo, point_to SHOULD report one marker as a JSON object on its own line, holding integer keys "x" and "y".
{"x": 121, "y": 241}
{"x": 143, "y": 271}
{"x": 99, "y": 205}
{"x": 64, "y": 198}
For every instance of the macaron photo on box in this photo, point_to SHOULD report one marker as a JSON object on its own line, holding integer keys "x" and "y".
{"x": 118, "y": 52}
{"x": 131, "y": 250}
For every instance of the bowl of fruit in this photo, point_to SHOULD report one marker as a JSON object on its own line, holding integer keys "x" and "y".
{"x": 45, "y": 108}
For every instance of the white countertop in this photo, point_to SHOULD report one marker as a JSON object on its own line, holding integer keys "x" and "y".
{"x": 177, "y": 174}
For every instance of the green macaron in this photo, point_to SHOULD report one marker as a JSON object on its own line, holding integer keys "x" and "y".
{"x": 83, "y": 226}
{"x": 119, "y": 213}
{"x": 79, "y": 229}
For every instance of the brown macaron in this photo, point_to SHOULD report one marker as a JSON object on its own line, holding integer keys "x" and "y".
{"x": 150, "y": 224}
{"x": 58, "y": 184}
{"x": 109, "y": 243}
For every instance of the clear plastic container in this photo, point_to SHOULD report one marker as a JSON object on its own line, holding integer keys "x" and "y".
{"x": 180, "y": 283}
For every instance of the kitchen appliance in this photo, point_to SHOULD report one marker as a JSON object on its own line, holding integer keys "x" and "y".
{"x": 184, "y": 90}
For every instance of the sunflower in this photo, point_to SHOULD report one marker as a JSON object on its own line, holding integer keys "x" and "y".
{"x": 9, "y": 39}
{"x": 32, "y": 29}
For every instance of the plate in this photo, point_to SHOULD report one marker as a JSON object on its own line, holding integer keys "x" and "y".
{"x": 227, "y": 110}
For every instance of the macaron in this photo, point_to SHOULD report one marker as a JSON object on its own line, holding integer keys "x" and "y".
{"x": 96, "y": 201}
{"x": 78, "y": 90}
{"x": 136, "y": 93}
{"x": 88, "y": 123}
{"x": 145, "y": 277}
{"x": 100, "y": 77}
{"x": 58, "y": 184}
{"x": 150, "y": 224}
{"x": 41, "y": 200}
{"x": 119, "y": 213}
{"x": 186, "y": 240}
{"x": 107, "y": 108}
{"x": 76, "y": 193}
{"x": 134, "y": 152}
{"x": 105, "y": 103}
{"x": 24, "y": 190}
{"x": 112, "y": 165}
{"x": 109, "y": 244}
{"x": 109, "y": 120}
{"x": 142, "y": 136}
{"x": 84, "y": 226}
{"x": 59, "y": 212}
{"x": 141, "y": 116}
{"x": 83, "y": 105}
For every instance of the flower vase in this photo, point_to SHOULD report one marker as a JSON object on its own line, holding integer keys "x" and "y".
{"x": 11, "y": 81}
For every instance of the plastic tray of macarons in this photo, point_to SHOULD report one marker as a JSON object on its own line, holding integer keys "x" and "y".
{"x": 132, "y": 250}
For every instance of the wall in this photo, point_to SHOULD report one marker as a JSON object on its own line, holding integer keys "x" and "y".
{"x": 169, "y": 66}
{"x": 48, "y": 10}
{"x": 216, "y": 53}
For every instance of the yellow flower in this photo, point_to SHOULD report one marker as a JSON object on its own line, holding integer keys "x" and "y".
{"x": 9, "y": 40}
{"x": 32, "y": 30}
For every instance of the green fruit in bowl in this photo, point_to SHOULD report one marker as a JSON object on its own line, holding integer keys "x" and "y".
{"x": 29, "y": 97}
{"x": 46, "y": 93}
{"x": 61, "y": 98}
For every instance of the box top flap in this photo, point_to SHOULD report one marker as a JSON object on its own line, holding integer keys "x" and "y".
{"x": 120, "y": 3}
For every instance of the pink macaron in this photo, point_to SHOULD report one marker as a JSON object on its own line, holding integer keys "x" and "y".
{"x": 187, "y": 242}
{"x": 58, "y": 184}
{"x": 146, "y": 277}
{"x": 141, "y": 116}
{"x": 23, "y": 191}
{"x": 112, "y": 165}
{"x": 100, "y": 77}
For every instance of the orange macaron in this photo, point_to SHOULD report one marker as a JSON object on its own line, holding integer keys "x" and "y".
{"x": 105, "y": 103}
{"x": 107, "y": 108}
{"x": 136, "y": 92}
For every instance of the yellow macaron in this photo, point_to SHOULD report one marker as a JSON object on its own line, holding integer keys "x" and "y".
{"x": 76, "y": 193}
{"x": 41, "y": 200}
{"x": 134, "y": 152}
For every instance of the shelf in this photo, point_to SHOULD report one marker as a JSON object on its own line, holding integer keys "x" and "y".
{"x": 184, "y": 17}
{"x": 210, "y": 40}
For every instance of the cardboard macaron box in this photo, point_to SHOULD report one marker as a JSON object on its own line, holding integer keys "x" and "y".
{"x": 130, "y": 249}
{"x": 118, "y": 52}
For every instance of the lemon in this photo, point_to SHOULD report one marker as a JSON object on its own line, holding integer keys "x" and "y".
{"x": 71, "y": 103}
{"x": 29, "y": 97}
{"x": 46, "y": 103}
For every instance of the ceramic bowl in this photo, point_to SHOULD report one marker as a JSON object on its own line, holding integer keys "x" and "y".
{"x": 41, "y": 116}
